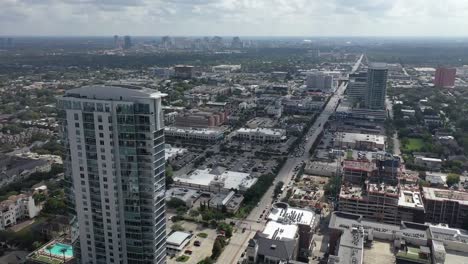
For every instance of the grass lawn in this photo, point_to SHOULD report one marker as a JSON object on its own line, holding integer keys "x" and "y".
{"x": 412, "y": 144}
{"x": 203, "y": 235}
{"x": 48, "y": 260}
{"x": 182, "y": 258}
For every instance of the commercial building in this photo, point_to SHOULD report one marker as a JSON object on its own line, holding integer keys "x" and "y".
{"x": 216, "y": 180}
{"x": 263, "y": 135}
{"x": 176, "y": 242}
{"x": 226, "y": 68}
{"x": 446, "y": 206}
{"x": 445, "y": 77}
{"x": 204, "y": 135}
{"x": 287, "y": 236}
{"x": 347, "y": 112}
{"x": 16, "y": 208}
{"x": 376, "y": 86}
{"x": 432, "y": 164}
{"x": 188, "y": 196}
{"x": 200, "y": 119}
{"x": 360, "y": 141}
{"x": 226, "y": 201}
{"x": 114, "y": 170}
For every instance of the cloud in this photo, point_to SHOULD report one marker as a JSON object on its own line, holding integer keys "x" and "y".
{"x": 233, "y": 17}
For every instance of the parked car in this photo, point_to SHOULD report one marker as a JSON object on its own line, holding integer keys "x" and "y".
{"x": 197, "y": 243}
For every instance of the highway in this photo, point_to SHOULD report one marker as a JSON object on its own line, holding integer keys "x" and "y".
{"x": 239, "y": 240}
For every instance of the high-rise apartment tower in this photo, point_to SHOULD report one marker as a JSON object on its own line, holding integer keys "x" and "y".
{"x": 114, "y": 170}
{"x": 376, "y": 86}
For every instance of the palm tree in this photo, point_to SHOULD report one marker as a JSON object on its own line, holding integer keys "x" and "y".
{"x": 49, "y": 249}
{"x": 63, "y": 250}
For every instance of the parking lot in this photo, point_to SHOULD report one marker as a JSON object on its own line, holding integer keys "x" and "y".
{"x": 244, "y": 162}
{"x": 198, "y": 253}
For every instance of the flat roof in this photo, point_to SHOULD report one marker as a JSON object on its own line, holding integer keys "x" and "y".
{"x": 292, "y": 215}
{"x": 410, "y": 199}
{"x": 177, "y": 238}
{"x": 354, "y": 137}
{"x": 229, "y": 179}
{"x": 378, "y": 66}
{"x": 443, "y": 194}
{"x": 359, "y": 165}
{"x": 200, "y": 131}
{"x": 341, "y": 220}
{"x": 351, "y": 248}
{"x": 112, "y": 92}
{"x": 266, "y": 131}
{"x": 278, "y": 231}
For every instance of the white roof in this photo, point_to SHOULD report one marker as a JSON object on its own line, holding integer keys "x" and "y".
{"x": 292, "y": 215}
{"x": 177, "y": 238}
{"x": 279, "y": 231}
{"x": 200, "y": 131}
{"x": 353, "y": 137}
{"x": 228, "y": 179}
{"x": 266, "y": 131}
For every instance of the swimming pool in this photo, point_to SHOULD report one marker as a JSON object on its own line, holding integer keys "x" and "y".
{"x": 58, "y": 248}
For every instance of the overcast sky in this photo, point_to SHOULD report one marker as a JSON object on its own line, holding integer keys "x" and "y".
{"x": 235, "y": 17}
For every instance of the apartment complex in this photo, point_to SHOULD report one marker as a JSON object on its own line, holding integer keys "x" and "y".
{"x": 17, "y": 207}
{"x": 114, "y": 169}
{"x": 446, "y": 206}
{"x": 374, "y": 189}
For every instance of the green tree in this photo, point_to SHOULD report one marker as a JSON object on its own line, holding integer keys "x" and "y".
{"x": 175, "y": 203}
{"x": 452, "y": 179}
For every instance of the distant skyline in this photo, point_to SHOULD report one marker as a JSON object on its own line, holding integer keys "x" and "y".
{"x": 234, "y": 17}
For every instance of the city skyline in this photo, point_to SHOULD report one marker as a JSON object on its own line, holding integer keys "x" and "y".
{"x": 209, "y": 17}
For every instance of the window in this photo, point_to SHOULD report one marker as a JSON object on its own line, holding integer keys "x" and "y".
{"x": 103, "y": 157}
{"x": 77, "y": 125}
{"x": 101, "y": 134}
{"x": 76, "y": 116}
{"x": 100, "y": 127}
{"x": 99, "y": 118}
{"x": 101, "y": 142}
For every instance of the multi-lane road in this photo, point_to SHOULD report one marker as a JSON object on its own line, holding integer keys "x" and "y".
{"x": 255, "y": 220}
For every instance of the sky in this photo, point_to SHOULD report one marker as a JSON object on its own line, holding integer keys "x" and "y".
{"x": 234, "y": 17}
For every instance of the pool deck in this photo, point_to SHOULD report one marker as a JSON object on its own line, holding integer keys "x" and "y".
{"x": 43, "y": 255}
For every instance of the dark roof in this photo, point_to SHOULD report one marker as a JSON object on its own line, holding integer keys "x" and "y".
{"x": 282, "y": 249}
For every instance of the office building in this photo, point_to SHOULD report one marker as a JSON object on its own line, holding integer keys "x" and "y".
{"x": 184, "y": 71}
{"x": 114, "y": 170}
{"x": 357, "y": 88}
{"x": 376, "y": 86}
{"x": 319, "y": 81}
{"x": 127, "y": 42}
{"x": 445, "y": 77}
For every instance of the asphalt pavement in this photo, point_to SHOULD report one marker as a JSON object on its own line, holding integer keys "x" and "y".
{"x": 239, "y": 240}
